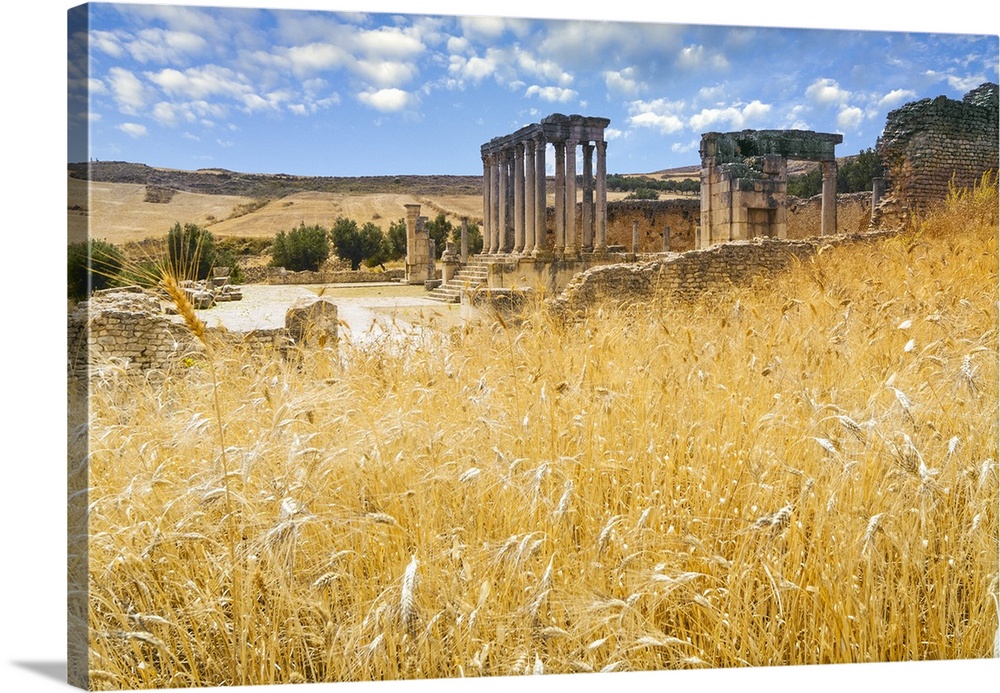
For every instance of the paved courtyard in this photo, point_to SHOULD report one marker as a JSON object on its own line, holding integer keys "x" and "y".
{"x": 366, "y": 311}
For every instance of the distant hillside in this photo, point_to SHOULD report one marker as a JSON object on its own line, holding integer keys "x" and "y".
{"x": 270, "y": 186}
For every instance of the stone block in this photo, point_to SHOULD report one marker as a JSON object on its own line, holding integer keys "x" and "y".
{"x": 312, "y": 322}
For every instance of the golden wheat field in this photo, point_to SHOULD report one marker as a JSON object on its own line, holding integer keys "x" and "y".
{"x": 801, "y": 472}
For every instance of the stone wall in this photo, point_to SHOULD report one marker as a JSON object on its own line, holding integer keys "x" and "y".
{"x": 695, "y": 274}
{"x": 279, "y": 275}
{"x": 129, "y": 329}
{"x": 928, "y": 143}
{"x": 681, "y": 215}
{"x": 854, "y": 212}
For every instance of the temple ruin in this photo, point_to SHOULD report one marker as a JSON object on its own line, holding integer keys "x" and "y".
{"x": 744, "y": 182}
{"x": 514, "y": 189}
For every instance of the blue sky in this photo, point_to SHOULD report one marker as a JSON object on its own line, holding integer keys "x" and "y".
{"x": 310, "y": 92}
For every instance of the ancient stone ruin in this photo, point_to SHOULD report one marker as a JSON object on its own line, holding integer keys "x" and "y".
{"x": 744, "y": 182}
{"x": 929, "y": 144}
{"x": 136, "y": 330}
{"x": 514, "y": 188}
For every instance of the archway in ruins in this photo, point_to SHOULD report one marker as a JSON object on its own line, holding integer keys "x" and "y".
{"x": 744, "y": 182}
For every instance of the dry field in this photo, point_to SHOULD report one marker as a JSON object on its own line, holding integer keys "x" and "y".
{"x": 118, "y": 212}
{"x": 802, "y": 472}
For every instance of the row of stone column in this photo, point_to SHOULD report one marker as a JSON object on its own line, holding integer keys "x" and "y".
{"x": 514, "y": 198}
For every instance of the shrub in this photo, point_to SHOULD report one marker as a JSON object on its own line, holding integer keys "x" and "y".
{"x": 353, "y": 244}
{"x": 92, "y": 265}
{"x": 304, "y": 248}
{"x": 191, "y": 251}
{"x": 643, "y": 194}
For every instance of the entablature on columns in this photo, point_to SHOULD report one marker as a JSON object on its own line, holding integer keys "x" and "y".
{"x": 554, "y": 128}
{"x": 720, "y": 148}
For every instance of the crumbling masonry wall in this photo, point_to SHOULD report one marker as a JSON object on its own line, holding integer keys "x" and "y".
{"x": 696, "y": 274}
{"x": 926, "y": 144}
{"x": 128, "y": 329}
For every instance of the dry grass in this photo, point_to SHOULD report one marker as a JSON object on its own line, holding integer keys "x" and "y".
{"x": 804, "y": 473}
{"x": 118, "y": 212}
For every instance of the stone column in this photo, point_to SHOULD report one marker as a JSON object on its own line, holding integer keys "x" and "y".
{"x": 412, "y": 212}
{"x": 878, "y": 190}
{"x": 518, "y": 197}
{"x": 587, "y": 206}
{"x": 540, "y": 196}
{"x": 493, "y": 241}
{"x": 504, "y": 196}
{"x": 571, "y": 249}
{"x": 487, "y": 201}
{"x": 666, "y": 239}
{"x": 635, "y": 236}
{"x": 529, "y": 197}
{"x": 560, "y": 240}
{"x": 601, "y": 213}
{"x": 828, "y": 225}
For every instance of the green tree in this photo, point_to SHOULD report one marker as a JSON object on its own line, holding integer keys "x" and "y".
{"x": 396, "y": 240}
{"x": 353, "y": 244}
{"x": 855, "y": 175}
{"x": 475, "y": 239}
{"x": 191, "y": 251}
{"x": 439, "y": 231}
{"x": 643, "y": 194}
{"x": 92, "y": 265}
{"x": 806, "y": 184}
{"x": 302, "y": 248}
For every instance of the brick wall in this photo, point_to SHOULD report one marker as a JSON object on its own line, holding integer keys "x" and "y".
{"x": 928, "y": 143}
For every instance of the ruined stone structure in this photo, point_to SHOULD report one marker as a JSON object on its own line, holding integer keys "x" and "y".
{"x": 514, "y": 188}
{"x": 695, "y": 274}
{"x": 130, "y": 329}
{"x": 927, "y": 144}
{"x": 418, "y": 247}
{"x": 744, "y": 182}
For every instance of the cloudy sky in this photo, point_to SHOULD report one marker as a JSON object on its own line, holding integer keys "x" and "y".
{"x": 349, "y": 93}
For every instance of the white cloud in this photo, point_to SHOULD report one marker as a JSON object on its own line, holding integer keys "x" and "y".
{"x": 659, "y": 114}
{"x": 475, "y": 68}
{"x": 850, "y": 117}
{"x": 551, "y": 94}
{"x": 159, "y": 45}
{"x": 458, "y": 45}
{"x": 547, "y": 69}
{"x": 106, "y": 42}
{"x": 965, "y": 83}
{"x": 896, "y": 97}
{"x": 386, "y": 100}
{"x": 389, "y": 43}
{"x": 733, "y": 117}
{"x": 133, "y": 129}
{"x": 827, "y": 92}
{"x": 384, "y": 73}
{"x": 199, "y": 82}
{"x": 483, "y": 27}
{"x": 623, "y": 81}
{"x": 666, "y": 124}
{"x": 698, "y": 56}
{"x": 128, "y": 90}
{"x": 316, "y": 56}
{"x": 165, "y": 114}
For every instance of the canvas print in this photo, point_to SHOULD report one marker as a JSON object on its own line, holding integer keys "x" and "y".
{"x": 412, "y": 346}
